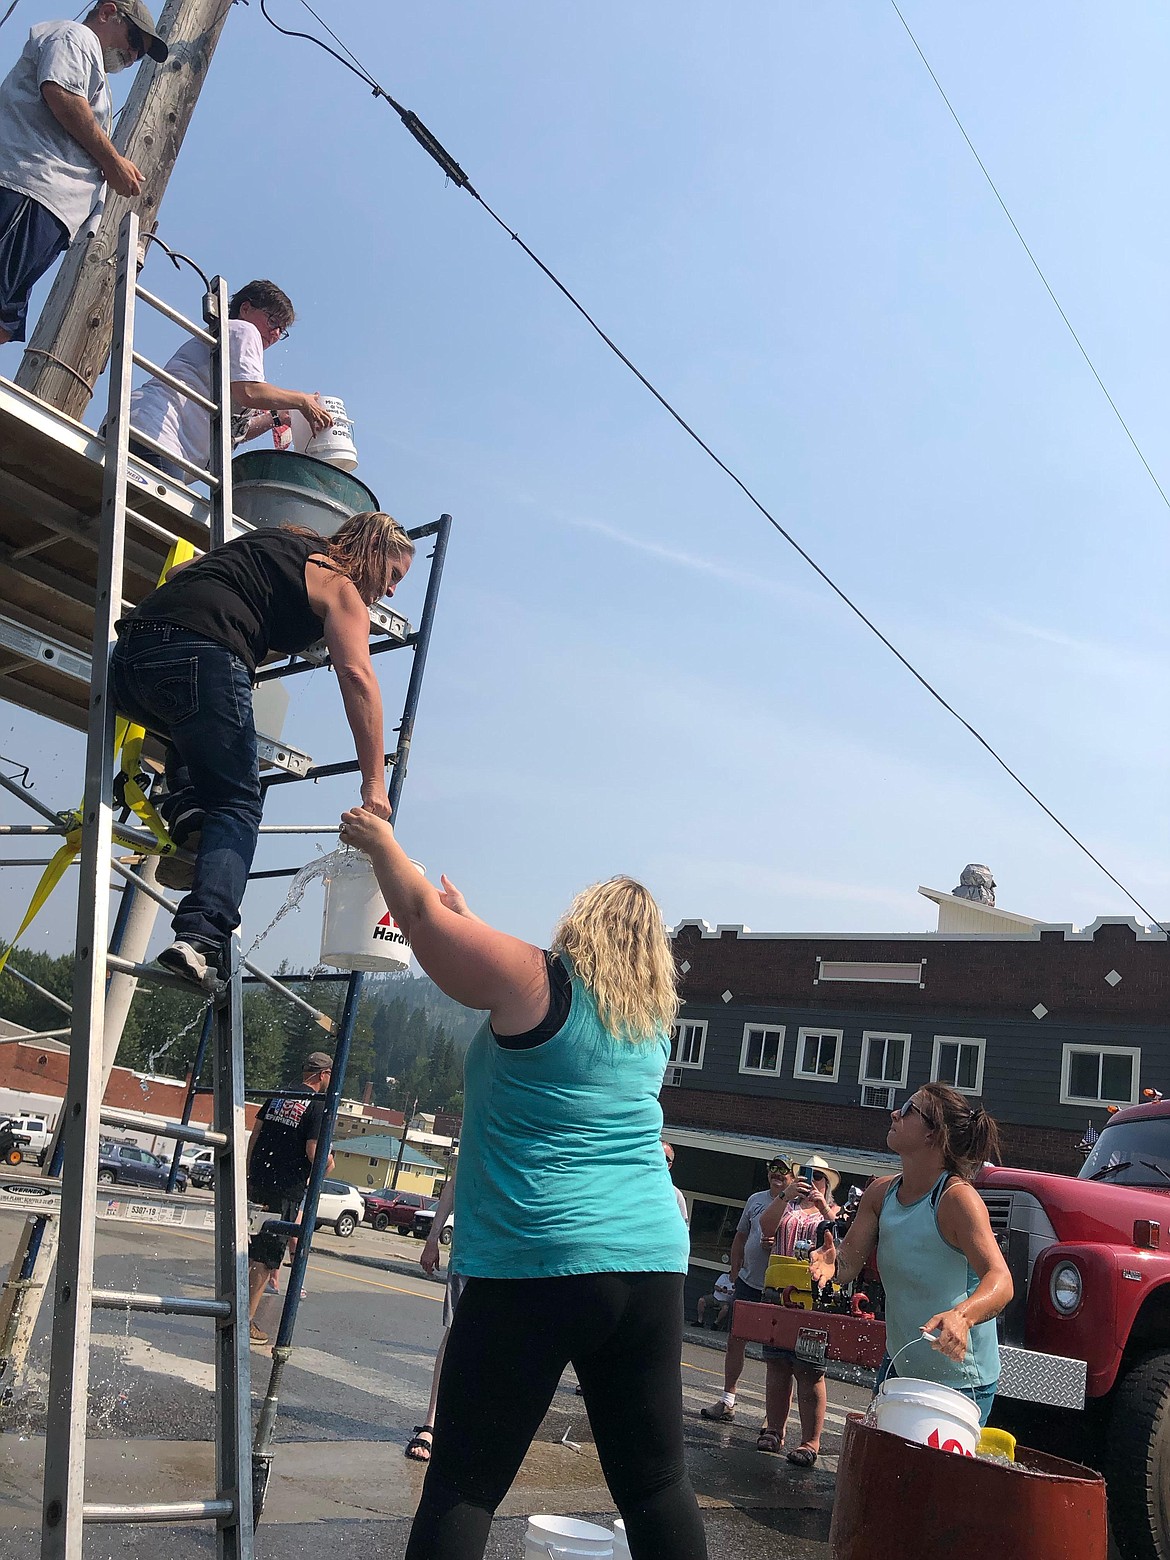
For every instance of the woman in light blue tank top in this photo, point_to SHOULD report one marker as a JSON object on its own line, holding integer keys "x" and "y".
{"x": 567, "y": 1230}
{"x": 944, "y": 1276}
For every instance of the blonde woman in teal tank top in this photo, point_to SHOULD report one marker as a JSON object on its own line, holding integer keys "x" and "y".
{"x": 941, "y": 1267}
{"x": 567, "y": 1229}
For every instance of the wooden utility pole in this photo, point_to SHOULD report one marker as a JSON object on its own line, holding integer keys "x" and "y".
{"x": 71, "y": 343}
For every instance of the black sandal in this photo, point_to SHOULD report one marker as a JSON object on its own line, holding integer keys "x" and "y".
{"x": 417, "y": 1449}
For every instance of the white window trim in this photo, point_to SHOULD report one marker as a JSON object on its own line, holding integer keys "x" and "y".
{"x": 884, "y": 1034}
{"x": 1068, "y": 1098}
{"x": 693, "y": 1023}
{"x": 940, "y": 1041}
{"x": 817, "y": 1077}
{"x": 762, "y": 1072}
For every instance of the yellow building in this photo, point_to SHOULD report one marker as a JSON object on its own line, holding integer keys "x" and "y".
{"x": 368, "y": 1162}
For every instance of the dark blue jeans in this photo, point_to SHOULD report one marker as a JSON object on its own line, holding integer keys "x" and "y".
{"x": 197, "y": 695}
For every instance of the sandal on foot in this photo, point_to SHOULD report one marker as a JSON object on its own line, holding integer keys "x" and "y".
{"x": 418, "y": 1449}
{"x": 767, "y": 1441}
{"x": 802, "y": 1456}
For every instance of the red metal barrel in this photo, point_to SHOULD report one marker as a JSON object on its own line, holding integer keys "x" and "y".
{"x": 896, "y": 1498}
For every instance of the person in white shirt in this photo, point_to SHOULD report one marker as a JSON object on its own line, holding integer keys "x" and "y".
{"x": 720, "y": 1299}
{"x": 260, "y": 315}
{"x": 56, "y": 156}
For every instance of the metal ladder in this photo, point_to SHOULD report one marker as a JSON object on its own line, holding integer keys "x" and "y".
{"x": 67, "y": 1511}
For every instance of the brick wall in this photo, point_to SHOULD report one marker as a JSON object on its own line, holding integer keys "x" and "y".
{"x": 844, "y": 1126}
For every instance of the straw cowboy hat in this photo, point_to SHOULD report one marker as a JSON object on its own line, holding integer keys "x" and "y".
{"x": 815, "y": 1162}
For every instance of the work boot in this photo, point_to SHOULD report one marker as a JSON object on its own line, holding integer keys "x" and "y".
{"x": 178, "y": 871}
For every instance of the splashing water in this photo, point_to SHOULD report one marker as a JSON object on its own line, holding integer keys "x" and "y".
{"x": 296, "y": 892}
{"x": 153, "y": 1057}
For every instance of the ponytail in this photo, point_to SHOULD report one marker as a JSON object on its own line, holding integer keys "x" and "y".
{"x": 966, "y": 1134}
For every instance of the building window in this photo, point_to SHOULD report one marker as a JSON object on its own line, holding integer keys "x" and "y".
{"x": 1100, "y": 1075}
{"x": 818, "y": 1055}
{"x": 373, "y": 1164}
{"x": 688, "y": 1041}
{"x": 882, "y": 972}
{"x": 884, "y": 1058}
{"x": 762, "y": 1049}
{"x": 959, "y": 1063}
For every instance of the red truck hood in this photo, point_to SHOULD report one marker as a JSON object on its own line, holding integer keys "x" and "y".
{"x": 1083, "y": 1210}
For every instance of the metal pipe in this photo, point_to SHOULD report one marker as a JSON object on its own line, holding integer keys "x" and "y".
{"x": 189, "y": 1096}
{"x": 163, "y": 1126}
{"x": 159, "y": 1511}
{"x": 167, "y": 1305}
{"x": 11, "y": 786}
{"x": 418, "y": 663}
{"x": 58, "y": 1002}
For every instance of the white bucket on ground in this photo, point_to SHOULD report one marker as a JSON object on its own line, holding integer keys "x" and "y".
{"x": 332, "y": 444}
{"x": 621, "y": 1544}
{"x": 566, "y": 1539}
{"x": 359, "y": 933}
{"x": 927, "y": 1412}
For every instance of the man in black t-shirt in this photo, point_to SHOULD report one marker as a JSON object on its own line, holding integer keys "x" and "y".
{"x": 280, "y": 1159}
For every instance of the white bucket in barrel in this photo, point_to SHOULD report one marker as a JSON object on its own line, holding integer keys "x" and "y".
{"x": 929, "y": 1413}
{"x": 621, "y": 1544}
{"x": 564, "y": 1538}
{"x": 334, "y": 444}
{"x": 359, "y": 933}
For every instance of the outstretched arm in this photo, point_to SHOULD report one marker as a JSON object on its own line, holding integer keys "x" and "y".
{"x": 827, "y": 1262}
{"x": 347, "y": 635}
{"x": 469, "y": 960}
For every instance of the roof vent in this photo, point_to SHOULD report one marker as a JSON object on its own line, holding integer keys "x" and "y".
{"x": 977, "y": 883}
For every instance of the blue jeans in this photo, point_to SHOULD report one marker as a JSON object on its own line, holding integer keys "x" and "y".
{"x": 984, "y": 1396}
{"x": 197, "y": 695}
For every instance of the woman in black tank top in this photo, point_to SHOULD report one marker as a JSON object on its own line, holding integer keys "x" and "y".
{"x": 183, "y": 668}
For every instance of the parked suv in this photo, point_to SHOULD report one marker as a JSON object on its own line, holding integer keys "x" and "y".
{"x": 133, "y": 1166}
{"x": 398, "y": 1208}
{"x": 424, "y": 1220}
{"x": 340, "y": 1207}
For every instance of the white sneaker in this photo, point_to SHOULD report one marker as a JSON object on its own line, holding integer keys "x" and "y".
{"x": 182, "y": 959}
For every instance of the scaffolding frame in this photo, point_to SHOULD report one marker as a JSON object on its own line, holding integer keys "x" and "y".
{"x": 232, "y": 1507}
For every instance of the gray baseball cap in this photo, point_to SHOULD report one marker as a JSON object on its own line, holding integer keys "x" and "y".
{"x": 136, "y": 12}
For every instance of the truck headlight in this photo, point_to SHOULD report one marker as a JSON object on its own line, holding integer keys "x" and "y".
{"x": 1065, "y": 1287}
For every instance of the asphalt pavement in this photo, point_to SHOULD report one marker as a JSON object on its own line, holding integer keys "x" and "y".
{"x": 356, "y": 1386}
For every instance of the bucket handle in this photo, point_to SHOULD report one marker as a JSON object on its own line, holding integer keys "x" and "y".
{"x": 926, "y": 1337}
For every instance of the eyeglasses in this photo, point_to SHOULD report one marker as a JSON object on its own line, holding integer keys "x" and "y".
{"x": 777, "y": 1167}
{"x": 281, "y": 330}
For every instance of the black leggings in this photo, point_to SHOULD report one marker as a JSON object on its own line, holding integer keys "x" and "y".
{"x": 508, "y": 1346}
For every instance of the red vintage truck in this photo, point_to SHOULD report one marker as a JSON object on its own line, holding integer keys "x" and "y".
{"x": 1085, "y": 1343}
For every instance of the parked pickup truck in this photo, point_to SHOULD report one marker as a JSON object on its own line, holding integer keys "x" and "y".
{"x": 1085, "y": 1343}
{"x": 38, "y": 1130}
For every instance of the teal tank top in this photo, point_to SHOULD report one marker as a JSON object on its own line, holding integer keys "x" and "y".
{"x": 923, "y": 1275}
{"x": 561, "y": 1168}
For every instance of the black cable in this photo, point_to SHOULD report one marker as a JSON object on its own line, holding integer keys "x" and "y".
{"x": 1031, "y": 256}
{"x": 453, "y": 171}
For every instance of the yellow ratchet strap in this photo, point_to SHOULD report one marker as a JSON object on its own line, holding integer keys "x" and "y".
{"x": 128, "y": 740}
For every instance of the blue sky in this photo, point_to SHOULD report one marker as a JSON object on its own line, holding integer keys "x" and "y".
{"x": 771, "y": 211}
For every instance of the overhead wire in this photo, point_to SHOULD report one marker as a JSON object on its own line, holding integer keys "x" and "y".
{"x": 1035, "y": 263}
{"x": 457, "y": 176}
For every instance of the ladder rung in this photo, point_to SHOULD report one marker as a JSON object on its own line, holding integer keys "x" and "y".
{"x": 167, "y": 1305}
{"x": 189, "y": 1132}
{"x": 175, "y": 384}
{"x": 155, "y": 973}
{"x": 173, "y": 314}
{"x": 199, "y": 472}
{"x": 158, "y": 1511}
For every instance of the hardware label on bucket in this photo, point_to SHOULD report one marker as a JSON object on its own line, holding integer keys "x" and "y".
{"x": 935, "y": 1439}
{"x": 812, "y": 1345}
{"x": 388, "y": 931}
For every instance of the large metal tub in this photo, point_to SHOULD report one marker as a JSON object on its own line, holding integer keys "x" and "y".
{"x": 279, "y": 487}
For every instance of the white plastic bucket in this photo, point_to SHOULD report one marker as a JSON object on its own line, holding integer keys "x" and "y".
{"x": 566, "y": 1539}
{"x": 929, "y": 1413}
{"x": 358, "y": 932}
{"x": 621, "y": 1545}
{"x": 333, "y": 444}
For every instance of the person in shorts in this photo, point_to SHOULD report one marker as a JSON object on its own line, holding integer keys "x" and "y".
{"x": 280, "y": 1161}
{"x": 796, "y": 1229}
{"x": 749, "y": 1263}
{"x": 719, "y": 1300}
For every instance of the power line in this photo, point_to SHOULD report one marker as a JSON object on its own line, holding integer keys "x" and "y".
{"x": 1035, "y": 263}
{"x": 456, "y": 174}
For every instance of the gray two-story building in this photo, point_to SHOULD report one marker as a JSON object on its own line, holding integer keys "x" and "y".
{"x": 806, "y": 1042}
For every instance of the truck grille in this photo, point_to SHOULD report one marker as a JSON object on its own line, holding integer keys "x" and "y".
{"x": 999, "y": 1210}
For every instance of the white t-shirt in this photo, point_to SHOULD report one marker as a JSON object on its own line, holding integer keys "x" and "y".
{"x": 682, "y": 1207}
{"x": 178, "y": 423}
{"x": 38, "y": 156}
{"x": 724, "y": 1287}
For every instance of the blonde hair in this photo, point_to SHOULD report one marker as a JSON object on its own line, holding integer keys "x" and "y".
{"x": 615, "y": 938}
{"x": 365, "y": 549}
